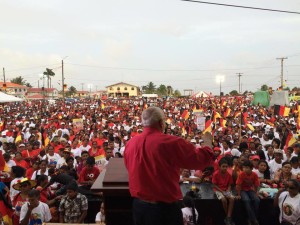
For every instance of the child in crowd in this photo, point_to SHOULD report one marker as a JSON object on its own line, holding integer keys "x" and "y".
{"x": 100, "y": 217}
{"x": 295, "y": 166}
{"x": 222, "y": 181}
{"x": 246, "y": 185}
{"x": 189, "y": 212}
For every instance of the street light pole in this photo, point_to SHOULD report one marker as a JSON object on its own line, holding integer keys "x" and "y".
{"x": 63, "y": 79}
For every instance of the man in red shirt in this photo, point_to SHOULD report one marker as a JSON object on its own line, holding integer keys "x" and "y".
{"x": 153, "y": 161}
{"x": 89, "y": 173}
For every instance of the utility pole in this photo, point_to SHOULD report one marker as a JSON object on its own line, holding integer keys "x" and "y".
{"x": 239, "y": 75}
{"x": 63, "y": 79}
{"x": 82, "y": 86}
{"x": 281, "y": 75}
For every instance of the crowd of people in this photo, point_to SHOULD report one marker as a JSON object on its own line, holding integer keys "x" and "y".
{"x": 53, "y": 153}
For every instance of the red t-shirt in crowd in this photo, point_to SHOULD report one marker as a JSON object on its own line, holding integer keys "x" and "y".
{"x": 153, "y": 161}
{"x": 222, "y": 180}
{"x": 30, "y": 154}
{"x": 22, "y": 163}
{"x": 86, "y": 175}
{"x": 246, "y": 181}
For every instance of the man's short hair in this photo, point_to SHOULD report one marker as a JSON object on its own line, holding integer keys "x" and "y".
{"x": 152, "y": 115}
{"x": 90, "y": 161}
{"x": 34, "y": 193}
{"x": 72, "y": 186}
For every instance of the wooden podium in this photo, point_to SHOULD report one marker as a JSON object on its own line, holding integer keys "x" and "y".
{"x": 113, "y": 182}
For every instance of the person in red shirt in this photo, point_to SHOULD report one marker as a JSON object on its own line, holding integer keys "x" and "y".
{"x": 246, "y": 185}
{"x": 19, "y": 160}
{"x": 89, "y": 173}
{"x": 222, "y": 181}
{"x": 153, "y": 161}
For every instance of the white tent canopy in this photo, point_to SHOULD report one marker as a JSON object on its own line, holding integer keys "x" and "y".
{"x": 8, "y": 98}
{"x": 201, "y": 94}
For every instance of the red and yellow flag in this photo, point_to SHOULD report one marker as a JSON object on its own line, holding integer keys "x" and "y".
{"x": 227, "y": 112}
{"x": 185, "y": 115}
{"x": 223, "y": 122}
{"x": 207, "y": 127}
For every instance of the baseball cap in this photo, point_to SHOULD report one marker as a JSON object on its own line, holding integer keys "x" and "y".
{"x": 217, "y": 149}
{"x": 254, "y": 157}
{"x": 278, "y": 151}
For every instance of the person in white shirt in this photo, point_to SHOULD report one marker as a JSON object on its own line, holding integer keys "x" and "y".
{"x": 289, "y": 203}
{"x": 276, "y": 163}
{"x": 189, "y": 212}
{"x": 100, "y": 217}
{"x": 63, "y": 129}
{"x": 17, "y": 173}
{"x": 34, "y": 211}
{"x": 51, "y": 156}
{"x": 295, "y": 165}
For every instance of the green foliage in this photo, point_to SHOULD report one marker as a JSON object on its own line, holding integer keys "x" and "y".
{"x": 49, "y": 73}
{"x": 18, "y": 80}
{"x": 162, "y": 90}
{"x": 234, "y": 92}
{"x": 71, "y": 92}
{"x": 177, "y": 93}
{"x": 150, "y": 88}
{"x": 264, "y": 87}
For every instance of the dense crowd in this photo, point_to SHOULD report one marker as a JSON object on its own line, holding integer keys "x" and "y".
{"x": 53, "y": 152}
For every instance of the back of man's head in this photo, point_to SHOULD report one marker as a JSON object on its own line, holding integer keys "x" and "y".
{"x": 34, "y": 194}
{"x": 152, "y": 116}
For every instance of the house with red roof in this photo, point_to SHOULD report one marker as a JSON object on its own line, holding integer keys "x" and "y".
{"x": 16, "y": 90}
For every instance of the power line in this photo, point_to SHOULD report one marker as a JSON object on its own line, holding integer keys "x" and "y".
{"x": 174, "y": 70}
{"x": 244, "y": 7}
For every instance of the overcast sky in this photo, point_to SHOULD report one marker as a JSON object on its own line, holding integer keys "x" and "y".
{"x": 172, "y": 42}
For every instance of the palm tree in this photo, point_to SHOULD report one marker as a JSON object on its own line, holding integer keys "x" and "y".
{"x": 162, "y": 90}
{"x": 49, "y": 73}
{"x": 18, "y": 80}
{"x": 150, "y": 88}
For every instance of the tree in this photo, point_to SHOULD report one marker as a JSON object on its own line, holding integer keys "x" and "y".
{"x": 28, "y": 85}
{"x": 162, "y": 90}
{"x": 177, "y": 93}
{"x": 49, "y": 73}
{"x": 170, "y": 90}
{"x": 234, "y": 93}
{"x": 72, "y": 90}
{"x": 150, "y": 88}
{"x": 264, "y": 87}
{"x": 18, "y": 80}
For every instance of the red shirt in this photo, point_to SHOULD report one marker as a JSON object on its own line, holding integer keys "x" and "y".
{"x": 222, "y": 181}
{"x": 246, "y": 181}
{"x": 153, "y": 161}
{"x": 99, "y": 152}
{"x": 22, "y": 163}
{"x": 86, "y": 175}
{"x": 30, "y": 154}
